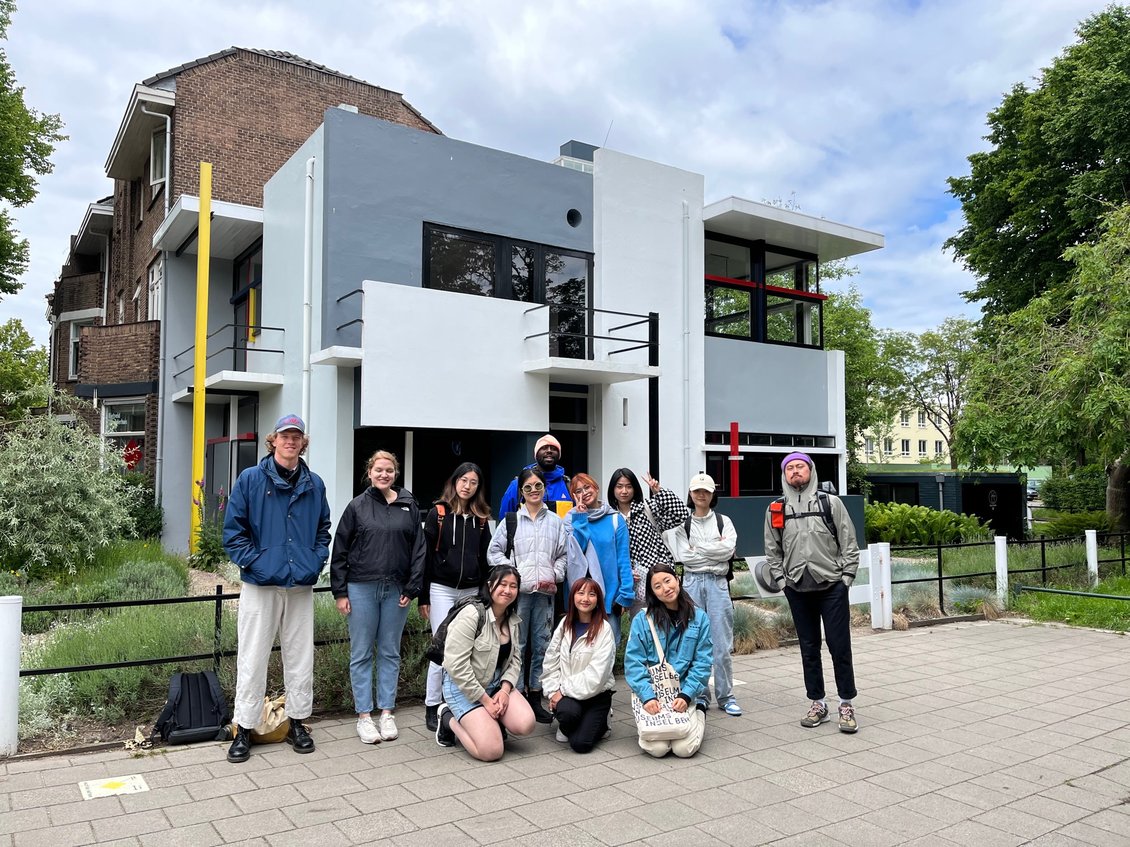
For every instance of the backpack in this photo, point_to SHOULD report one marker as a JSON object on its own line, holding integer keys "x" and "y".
{"x": 717, "y": 517}
{"x": 195, "y": 711}
{"x": 511, "y": 528}
{"x": 441, "y": 514}
{"x": 434, "y": 653}
{"x": 779, "y": 516}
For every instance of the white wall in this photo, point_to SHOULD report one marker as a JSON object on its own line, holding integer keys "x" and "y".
{"x": 648, "y": 238}
{"x": 438, "y": 358}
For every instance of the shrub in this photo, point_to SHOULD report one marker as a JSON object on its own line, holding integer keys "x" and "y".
{"x": 1075, "y": 523}
{"x": 149, "y": 517}
{"x": 210, "y": 553}
{"x": 1081, "y": 491}
{"x": 970, "y": 600}
{"x": 62, "y": 495}
{"x": 901, "y": 523}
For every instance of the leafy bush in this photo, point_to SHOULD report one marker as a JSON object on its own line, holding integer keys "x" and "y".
{"x": 149, "y": 517}
{"x": 62, "y": 495}
{"x": 210, "y": 553}
{"x": 1075, "y": 523}
{"x": 970, "y": 600}
{"x": 900, "y": 523}
{"x": 1081, "y": 491}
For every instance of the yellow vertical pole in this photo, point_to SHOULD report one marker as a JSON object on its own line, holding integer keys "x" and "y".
{"x": 200, "y": 353}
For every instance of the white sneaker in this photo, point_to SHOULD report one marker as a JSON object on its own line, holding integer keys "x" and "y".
{"x": 388, "y": 727}
{"x": 367, "y": 731}
{"x": 562, "y": 737}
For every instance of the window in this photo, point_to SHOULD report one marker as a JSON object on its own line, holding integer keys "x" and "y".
{"x": 461, "y": 263}
{"x": 905, "y": 447}
{"x": 939, "y": 448}
{"x": 157, "y": 158}
{"x": 921, "y": 417}
{"x": 123, "y": 428}
{"x": 922, "y": 447}
{"x": 870, "y": 446}
{"x": 904, "y": 418}
{"x": 137, "y": 314}
{"x": 156, "y": 272}
{"x": 889, "y": 446}
{"x": 76, "y": 335}
{"x": 121, "y": 307}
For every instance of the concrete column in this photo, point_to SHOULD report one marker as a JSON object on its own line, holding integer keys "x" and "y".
{"x": 1092, "y": 541}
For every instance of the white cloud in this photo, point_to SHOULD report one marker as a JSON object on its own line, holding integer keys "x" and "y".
{"x": 859, "y": 108}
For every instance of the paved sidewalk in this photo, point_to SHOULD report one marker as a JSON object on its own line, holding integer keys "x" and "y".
{"x": 975, "y": 734}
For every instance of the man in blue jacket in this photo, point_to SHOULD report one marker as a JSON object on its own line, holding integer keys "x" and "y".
{"x": 547, "y": 454}
{"x": 277, "y": 530}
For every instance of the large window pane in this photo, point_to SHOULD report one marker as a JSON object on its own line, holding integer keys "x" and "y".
{"x": 728, "y": 260}
{"x": 781, "y": 319}
{"x": 566, "y": 291}
{"x": 727, "y": 311}
{"x": 522, "y": 273}
{"x": 459, "y": 263}
{"x": 125, "y": 417}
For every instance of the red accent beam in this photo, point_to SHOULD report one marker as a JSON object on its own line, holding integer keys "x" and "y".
{"x": 735, "y": 457}
{"x": 774, "y": 289}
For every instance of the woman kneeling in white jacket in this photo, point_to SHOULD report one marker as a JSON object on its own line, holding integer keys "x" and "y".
{"x": 577, "y": 674}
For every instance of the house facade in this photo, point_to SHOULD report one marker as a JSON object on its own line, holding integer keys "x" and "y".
{"x": 913, "y": 437}
{"x": 243, "y": 110}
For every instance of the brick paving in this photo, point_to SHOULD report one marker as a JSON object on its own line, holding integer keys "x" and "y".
{"x": 975, "y": 734}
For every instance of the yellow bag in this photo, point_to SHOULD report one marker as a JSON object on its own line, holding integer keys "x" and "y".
{"x": 274, "y": 724}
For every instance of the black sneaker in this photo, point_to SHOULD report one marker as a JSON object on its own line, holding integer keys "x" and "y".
{"x": 431, "y": 717}
{"x": 445, "y": 736}
{"x": 240, "y": 750}
{"x": 541, "y": 714}
{"x": 298, "y": 737}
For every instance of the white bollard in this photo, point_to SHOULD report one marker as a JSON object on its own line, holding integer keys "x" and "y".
{"x": 881, "y": 605}
{"x": 11, "y": 609}
{"x": 1001, "y": 551}
{"x": 1092, "y": 539}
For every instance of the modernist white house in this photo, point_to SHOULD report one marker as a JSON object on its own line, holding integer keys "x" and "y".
{"x": 462, "y": 301}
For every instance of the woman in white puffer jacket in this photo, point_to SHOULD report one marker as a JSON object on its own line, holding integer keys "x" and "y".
{"x": 539, "y": 551}
{"x": 578, "y": 668}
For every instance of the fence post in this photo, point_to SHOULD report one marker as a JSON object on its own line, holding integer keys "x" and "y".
{"x": 216, "y": 643}
{"x": 1092, "y": 541}
{"x": 1001, "y": 551}
{"x": 11, "y": 610}
{"x": 879, "y": 555}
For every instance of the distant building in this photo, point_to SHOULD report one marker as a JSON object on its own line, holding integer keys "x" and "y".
{"x": 912, "y": 438}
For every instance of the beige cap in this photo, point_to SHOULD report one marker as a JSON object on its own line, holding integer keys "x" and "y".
{"x": 702, "y": 481}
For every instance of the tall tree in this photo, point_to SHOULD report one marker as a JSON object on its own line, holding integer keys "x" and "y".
{"x": 27, "y": 139}
{"x": 23, "y": 370}
{"x": 1054, "y": 383}
{"x": 936, "y": 367}
{"x": 1060, "y": 157}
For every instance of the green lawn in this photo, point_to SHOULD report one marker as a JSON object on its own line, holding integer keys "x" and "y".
{"x": 1081, "y": 611}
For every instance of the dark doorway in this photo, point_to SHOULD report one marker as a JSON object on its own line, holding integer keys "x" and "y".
{"x": 437, "y": 452}
{"x": 1002, "y": 504}
{"x": 368, "y": 440}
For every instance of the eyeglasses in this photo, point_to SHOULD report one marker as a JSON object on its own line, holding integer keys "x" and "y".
{"x": 530, "y": 488}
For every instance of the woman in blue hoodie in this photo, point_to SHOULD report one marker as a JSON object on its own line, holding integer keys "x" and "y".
{"x": 599, "y": 548}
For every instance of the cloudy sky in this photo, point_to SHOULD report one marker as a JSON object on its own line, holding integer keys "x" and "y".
{"x": 854, "y": 110}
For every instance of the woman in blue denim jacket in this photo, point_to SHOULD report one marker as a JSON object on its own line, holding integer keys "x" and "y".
{"x": 684, "y": 634}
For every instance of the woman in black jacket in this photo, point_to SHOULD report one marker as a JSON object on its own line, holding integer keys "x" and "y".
{"x": 457, "y": 531}
{"x": 376, "y": 569}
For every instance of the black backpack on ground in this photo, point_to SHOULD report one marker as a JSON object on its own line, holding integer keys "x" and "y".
{"x": 434, "y": 653}
{"x": 195, "y": 711}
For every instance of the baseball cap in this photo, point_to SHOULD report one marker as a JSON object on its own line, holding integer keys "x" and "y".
{"x": 702, "y": 481}
{"x": 290, "y": 422}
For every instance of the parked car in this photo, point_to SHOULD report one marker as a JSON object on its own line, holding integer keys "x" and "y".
{"x": 1033, "y": 489}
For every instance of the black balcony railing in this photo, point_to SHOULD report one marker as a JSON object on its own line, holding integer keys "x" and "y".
{"x": 228, "y": 346}
{"x": 572, "y": 335}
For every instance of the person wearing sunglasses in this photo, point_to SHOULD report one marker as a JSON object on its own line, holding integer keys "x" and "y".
{"x": 533, "y": 540}
{"x": 547, "y": 458}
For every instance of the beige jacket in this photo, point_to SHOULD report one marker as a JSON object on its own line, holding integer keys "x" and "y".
{"x": 576, "y": 668}
{"x": 470, "y": 660}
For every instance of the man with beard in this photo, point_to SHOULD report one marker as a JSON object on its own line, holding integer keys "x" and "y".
{"x": 547, "y": 454}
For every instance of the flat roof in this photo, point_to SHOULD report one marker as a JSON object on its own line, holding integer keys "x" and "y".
{"x": 785, "y": 228}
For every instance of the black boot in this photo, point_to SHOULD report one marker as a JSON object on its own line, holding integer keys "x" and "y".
{"x": 298, "y": 737}
{"x": 431, "y": 718}
{"x": 240, "y": 750}
{"x": 541, "y": 715}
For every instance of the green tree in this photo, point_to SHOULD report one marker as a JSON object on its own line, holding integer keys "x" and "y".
{"x": 1060, "y": 156}
{"x": 23, "y": 370}
{"x": 63, "y": 493}
{"x": 936, "y": 367}
{"x": 1053, "y": 384}
{"x": 27, "y": 139}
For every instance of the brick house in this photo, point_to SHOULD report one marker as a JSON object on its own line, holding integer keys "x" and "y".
{"x": 244, "y": 110}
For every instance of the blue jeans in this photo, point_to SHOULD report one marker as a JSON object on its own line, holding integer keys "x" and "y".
{"x": 457, "y": 701}
{"x": 536, "y": 612}
{"x": 711, "y": 593}
{"x": 375, "y": 617}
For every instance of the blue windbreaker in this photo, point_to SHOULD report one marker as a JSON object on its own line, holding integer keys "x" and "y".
{"x": 689, "y": 652}
{"x": 556, "y": 491}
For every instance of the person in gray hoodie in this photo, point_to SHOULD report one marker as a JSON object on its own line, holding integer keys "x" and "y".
{"x": 812, "y": 554}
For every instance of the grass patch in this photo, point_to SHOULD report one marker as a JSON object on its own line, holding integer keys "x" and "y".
{"x": 1081, "y": 611}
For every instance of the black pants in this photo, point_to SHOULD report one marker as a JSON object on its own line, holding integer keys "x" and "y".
{"x": 830, "y": 606}
{"x": 584, "y": 721}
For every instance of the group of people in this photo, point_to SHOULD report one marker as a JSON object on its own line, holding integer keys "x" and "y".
{"x": 530, "y": 612}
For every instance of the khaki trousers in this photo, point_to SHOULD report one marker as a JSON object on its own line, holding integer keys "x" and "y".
{"x": 684, "y": 748}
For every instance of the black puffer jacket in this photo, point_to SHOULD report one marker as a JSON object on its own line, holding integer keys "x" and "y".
{"x": 459, "y": 559}
{"x": 378, "y": 541}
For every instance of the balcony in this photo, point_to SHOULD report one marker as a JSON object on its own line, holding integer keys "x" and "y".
{"x": 580, "y": 344}
{"x": 753, "y": 311}
{"x": 239, "y": 360}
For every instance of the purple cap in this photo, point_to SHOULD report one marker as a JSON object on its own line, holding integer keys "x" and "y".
{"x": 290, "y": 422}
{"x": 793, "y": 457}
